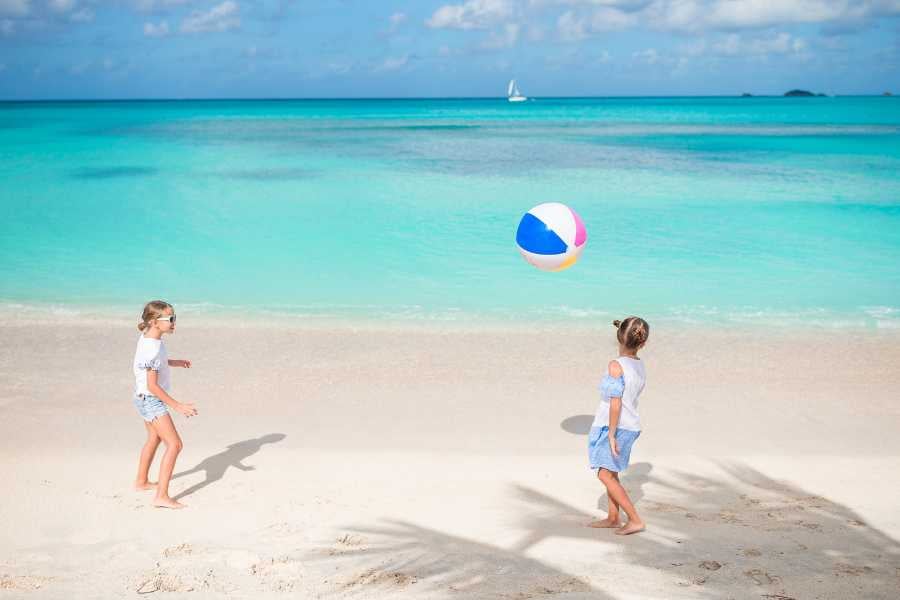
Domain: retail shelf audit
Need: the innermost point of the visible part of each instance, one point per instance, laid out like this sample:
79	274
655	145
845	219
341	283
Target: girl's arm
154	388
180	363
615	408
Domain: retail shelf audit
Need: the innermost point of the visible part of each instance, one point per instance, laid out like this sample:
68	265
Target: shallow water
717	210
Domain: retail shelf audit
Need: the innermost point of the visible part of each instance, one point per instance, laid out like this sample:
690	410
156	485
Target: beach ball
551	236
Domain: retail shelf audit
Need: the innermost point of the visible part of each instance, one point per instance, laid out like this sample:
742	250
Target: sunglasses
170	319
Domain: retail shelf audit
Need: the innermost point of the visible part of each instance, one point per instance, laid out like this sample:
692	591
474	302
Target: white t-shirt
635	376
150	354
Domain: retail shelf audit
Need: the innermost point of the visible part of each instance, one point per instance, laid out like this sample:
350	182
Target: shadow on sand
734	534
216	465
578	424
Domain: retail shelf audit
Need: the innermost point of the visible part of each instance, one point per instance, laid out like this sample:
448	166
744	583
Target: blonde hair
632	332
152	310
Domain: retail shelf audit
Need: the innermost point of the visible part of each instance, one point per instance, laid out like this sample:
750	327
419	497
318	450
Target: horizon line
394	98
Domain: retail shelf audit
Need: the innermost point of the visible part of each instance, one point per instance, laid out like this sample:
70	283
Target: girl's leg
612	513
611	501
165	429
620	497
147	453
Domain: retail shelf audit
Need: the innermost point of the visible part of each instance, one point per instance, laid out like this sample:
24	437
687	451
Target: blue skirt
599	453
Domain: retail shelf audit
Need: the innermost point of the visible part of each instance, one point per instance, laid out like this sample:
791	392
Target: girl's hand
613	447
185	364
187	410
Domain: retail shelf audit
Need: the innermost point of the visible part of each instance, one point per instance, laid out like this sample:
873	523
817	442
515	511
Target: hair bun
632	332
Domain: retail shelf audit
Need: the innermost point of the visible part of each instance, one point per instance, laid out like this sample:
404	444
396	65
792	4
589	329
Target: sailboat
513	94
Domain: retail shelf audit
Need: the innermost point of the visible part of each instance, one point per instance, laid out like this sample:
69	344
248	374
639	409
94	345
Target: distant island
801	93
746	95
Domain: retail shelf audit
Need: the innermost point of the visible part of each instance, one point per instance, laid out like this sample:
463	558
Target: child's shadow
216	465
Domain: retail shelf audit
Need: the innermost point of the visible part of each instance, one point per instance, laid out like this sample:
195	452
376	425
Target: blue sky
330	48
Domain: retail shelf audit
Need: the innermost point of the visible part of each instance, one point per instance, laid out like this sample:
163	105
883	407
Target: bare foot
148	485
606	523
630	527
167	503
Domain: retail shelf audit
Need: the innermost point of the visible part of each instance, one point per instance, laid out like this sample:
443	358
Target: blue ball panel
534	236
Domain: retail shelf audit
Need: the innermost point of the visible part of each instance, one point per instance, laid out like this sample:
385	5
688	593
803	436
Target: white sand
451	464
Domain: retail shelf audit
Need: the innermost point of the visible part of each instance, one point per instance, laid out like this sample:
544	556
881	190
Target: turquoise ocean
744	211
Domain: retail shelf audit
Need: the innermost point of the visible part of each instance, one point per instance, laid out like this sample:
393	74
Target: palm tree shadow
404	552
725	534
737	533
216	465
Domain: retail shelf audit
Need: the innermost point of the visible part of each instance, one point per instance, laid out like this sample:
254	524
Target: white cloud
339	67
612	19
691	16
223	17
61	6
106	64
397	19
160	29
576	20
629	5
14	8
501	65
570	27
735	44
649	56
833	43
507	38
535	33
696	47
765	13
751	47
393	63
156	5
85	15
473	14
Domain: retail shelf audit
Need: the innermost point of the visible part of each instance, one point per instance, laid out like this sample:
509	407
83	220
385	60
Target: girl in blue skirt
617	424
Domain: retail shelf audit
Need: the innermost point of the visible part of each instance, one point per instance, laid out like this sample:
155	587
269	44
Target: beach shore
383	462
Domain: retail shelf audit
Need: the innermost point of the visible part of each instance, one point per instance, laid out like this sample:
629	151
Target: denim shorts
150	407
599	453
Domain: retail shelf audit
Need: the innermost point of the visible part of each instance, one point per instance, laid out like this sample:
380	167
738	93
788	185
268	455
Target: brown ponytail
152	310
632	332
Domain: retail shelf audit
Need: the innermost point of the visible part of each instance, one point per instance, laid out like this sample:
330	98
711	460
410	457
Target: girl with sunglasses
152	399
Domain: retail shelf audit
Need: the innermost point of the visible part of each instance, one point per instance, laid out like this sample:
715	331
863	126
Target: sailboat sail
512	92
